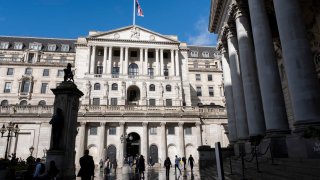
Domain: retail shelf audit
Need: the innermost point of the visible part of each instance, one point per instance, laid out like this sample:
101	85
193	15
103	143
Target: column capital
229	30
198	124
222	46
144	123
83	123
181	124
102	123
238	9
163	124
122	123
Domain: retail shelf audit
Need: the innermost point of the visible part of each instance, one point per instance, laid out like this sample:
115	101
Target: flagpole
134	12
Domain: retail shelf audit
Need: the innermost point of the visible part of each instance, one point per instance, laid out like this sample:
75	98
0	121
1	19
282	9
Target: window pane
209	77
96	101
199	93
198	77
188	130
25	86
99	69
171	130
152	87
114	101
60	73
168	102
28	71
112	130
114	87
45	72
152	102
93	130
211	93
96	86
7	87
153	130
168	88
150	71
10	71
133	69
44	88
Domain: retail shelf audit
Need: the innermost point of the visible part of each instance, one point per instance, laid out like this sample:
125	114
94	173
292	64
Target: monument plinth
64	129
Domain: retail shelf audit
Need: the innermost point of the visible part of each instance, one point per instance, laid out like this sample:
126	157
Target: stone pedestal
299	147
67	99
277	146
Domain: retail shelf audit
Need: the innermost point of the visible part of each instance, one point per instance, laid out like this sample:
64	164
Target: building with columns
270	56
144	93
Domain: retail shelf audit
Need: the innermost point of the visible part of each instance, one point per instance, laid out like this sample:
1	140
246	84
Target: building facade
270	55
144	93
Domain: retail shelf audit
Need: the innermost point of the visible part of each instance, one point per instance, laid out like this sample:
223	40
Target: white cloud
202	36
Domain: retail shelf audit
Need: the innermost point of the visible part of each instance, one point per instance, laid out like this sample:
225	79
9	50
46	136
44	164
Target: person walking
115	166
40	169
167	165
150	161
141	166
184	160
191	162
107	167
86	166
176	164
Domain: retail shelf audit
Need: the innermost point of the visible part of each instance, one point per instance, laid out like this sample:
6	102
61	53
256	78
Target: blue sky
73	18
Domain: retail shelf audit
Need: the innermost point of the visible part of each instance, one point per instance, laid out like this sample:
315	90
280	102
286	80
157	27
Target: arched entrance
112	153
154	153
133	144
133	95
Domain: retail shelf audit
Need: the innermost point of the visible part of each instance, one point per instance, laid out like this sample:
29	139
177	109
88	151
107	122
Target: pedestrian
184	160
141	166
107	167
86	166
101	163
167	165
137	163
176	164
150	161
115	166
40	169
52	172
191	162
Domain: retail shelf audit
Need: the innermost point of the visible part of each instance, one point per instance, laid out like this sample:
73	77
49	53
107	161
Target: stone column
141	62
102	138
93	59
163	142
172	68
145	66
268	73
82	142
161	62
177	62
222	46
144	140
109	65
298	63
181	139
198	134
157	70
121	61
126	61
89	58
237	88
249	74
121	144
105	65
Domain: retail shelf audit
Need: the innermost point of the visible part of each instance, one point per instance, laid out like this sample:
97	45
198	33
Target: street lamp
45	153
9	128
31	149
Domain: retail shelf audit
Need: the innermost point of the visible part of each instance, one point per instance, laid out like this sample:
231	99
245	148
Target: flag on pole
139	9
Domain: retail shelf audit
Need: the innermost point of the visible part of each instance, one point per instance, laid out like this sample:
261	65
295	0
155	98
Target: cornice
131	41
215	13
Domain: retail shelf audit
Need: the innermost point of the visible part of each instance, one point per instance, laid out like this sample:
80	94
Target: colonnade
252	82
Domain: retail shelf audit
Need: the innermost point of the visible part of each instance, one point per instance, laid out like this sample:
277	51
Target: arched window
25	86
23	103
152	87
168	87
114	87
42	103
96	86
133	69
4	103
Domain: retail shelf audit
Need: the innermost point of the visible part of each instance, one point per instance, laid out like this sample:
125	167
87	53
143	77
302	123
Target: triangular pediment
133	33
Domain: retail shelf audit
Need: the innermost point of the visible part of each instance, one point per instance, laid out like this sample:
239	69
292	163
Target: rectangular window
199	92
93	130
153	130
4	45
25	86
44	88
60	73
7	87
211	93
96	101
114	101
168	102
112	130
150	55
115	70
133	54
116	53
10	71
171	130
45	72
65	47
31	57
209	77
150	72
17	45
28	71
152	102
198	77
52	47
188	131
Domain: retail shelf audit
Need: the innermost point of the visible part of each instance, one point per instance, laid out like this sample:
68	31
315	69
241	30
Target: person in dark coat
191	162
184	160
167	165
86	166
141	166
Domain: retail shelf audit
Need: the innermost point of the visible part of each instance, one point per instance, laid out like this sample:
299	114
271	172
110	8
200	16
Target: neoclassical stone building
144	93
271	66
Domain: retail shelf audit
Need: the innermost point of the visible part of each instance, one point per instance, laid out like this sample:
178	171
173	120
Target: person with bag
167	165
86	171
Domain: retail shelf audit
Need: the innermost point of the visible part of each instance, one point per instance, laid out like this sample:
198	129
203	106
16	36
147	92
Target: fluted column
144	140
177	62
102	138
237	88
89	58
109	65
255	118
121	144
199	134
298	63
82	141
161	62
269	78
172	68
93	59
222	46
141	62
145	66
163	143
121	61
157	70
181	139
105	65
126	61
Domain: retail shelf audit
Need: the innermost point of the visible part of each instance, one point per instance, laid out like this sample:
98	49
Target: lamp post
11	127
31	149
44	153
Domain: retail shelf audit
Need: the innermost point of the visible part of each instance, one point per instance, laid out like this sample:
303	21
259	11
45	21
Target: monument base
59	157
277	146
299	147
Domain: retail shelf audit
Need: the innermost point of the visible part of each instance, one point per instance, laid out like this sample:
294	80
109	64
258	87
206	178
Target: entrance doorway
112	153
133	144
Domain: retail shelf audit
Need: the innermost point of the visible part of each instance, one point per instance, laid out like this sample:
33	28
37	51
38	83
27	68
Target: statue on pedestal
57	125
68	76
